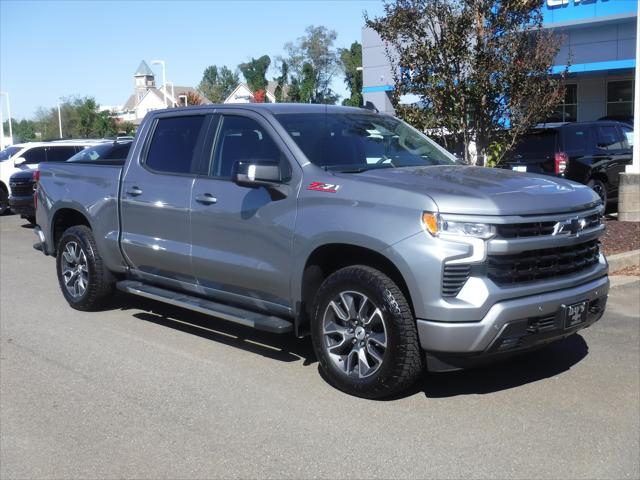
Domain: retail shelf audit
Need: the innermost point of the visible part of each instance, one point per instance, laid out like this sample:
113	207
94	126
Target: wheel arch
63	219
329	258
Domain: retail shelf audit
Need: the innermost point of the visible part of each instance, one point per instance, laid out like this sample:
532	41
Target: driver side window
242	139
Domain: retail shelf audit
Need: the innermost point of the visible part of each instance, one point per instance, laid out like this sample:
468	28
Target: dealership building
599	38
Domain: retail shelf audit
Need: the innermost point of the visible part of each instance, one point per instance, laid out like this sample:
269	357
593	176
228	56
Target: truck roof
274	108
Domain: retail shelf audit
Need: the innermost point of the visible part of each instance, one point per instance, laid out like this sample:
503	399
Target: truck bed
91	189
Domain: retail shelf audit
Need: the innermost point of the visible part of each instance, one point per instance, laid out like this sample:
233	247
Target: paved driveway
146	391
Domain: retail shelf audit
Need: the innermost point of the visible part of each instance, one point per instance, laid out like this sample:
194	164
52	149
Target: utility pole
59	121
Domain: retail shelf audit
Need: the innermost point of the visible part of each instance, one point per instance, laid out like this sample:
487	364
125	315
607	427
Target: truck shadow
520	370
285	348
547	362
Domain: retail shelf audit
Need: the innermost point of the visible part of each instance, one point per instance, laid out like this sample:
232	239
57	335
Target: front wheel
4	200
364	334
84	280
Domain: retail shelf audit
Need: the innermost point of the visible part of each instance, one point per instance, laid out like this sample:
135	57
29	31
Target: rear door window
576	140
173	145
35	155
608	138
60	153
537	144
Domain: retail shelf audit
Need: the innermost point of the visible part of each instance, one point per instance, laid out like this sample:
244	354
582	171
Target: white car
23	156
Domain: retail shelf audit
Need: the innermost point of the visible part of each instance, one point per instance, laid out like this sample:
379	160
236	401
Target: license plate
575	314
519	168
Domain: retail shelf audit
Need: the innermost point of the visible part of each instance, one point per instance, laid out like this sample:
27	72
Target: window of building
567	111
620	98
172	148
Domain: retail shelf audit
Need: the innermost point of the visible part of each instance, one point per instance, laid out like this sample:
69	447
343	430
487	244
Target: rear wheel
364	334
84	280
600	188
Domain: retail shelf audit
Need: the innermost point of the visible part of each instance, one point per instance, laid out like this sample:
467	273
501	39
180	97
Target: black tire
98	280
401	361
4	200
31	219
600	188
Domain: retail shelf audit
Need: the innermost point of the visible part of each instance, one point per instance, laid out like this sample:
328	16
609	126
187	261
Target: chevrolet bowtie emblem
570	226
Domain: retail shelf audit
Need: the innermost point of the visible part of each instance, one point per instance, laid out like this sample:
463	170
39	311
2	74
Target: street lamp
164	79
10	123
173	94
59	121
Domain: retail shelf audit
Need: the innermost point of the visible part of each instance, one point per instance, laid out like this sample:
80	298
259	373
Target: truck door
156	197
612	154
241	236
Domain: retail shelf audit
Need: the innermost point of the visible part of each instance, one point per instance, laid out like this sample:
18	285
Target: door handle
134	191
206	198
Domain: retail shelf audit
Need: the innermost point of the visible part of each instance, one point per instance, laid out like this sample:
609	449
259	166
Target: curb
623	260
622	280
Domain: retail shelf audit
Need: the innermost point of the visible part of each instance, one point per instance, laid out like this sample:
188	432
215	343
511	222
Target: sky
55	49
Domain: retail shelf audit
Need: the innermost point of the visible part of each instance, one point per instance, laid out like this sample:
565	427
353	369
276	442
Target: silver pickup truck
337	222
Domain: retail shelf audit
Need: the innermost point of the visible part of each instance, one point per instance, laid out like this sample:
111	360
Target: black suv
592	153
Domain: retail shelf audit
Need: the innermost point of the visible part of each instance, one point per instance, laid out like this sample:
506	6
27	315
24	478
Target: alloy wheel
354	334
75	272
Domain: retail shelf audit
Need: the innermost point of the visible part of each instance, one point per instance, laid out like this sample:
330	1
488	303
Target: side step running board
247	318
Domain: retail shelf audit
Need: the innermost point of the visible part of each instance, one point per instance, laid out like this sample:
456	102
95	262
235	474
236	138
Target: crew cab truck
338	222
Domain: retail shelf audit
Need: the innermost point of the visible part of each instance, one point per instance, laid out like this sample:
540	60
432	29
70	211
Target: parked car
23	183
25	156
592	153
338	222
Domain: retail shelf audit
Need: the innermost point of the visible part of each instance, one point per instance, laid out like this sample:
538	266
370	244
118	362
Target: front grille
454	278
542	264
536	229
22	189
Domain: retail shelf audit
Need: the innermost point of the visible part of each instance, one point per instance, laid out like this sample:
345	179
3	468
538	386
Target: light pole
164	79
173	94
59	121
10	122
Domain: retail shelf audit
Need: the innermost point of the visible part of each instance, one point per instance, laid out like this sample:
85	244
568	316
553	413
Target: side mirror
257	174
19	161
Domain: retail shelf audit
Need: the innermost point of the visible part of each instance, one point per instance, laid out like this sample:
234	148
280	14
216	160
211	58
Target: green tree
351	62
23	130
481	68
255	71
313	61
281	81
218	83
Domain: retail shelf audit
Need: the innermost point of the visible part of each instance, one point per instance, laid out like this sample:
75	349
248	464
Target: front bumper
22	205
514	325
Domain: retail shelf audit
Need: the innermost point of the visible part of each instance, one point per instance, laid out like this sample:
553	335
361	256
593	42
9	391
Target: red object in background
258	97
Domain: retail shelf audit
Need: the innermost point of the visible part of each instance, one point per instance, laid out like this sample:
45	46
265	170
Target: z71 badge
323	187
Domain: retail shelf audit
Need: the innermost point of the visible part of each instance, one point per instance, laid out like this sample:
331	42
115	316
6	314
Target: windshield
103	151
537	143
355	142
9	152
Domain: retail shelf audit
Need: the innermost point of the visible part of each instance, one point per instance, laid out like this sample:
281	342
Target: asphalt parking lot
146	391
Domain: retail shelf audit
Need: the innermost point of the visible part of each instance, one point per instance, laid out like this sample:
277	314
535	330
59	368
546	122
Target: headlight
436	226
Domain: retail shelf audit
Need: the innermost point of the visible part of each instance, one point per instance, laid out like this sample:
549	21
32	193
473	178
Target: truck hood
465	189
